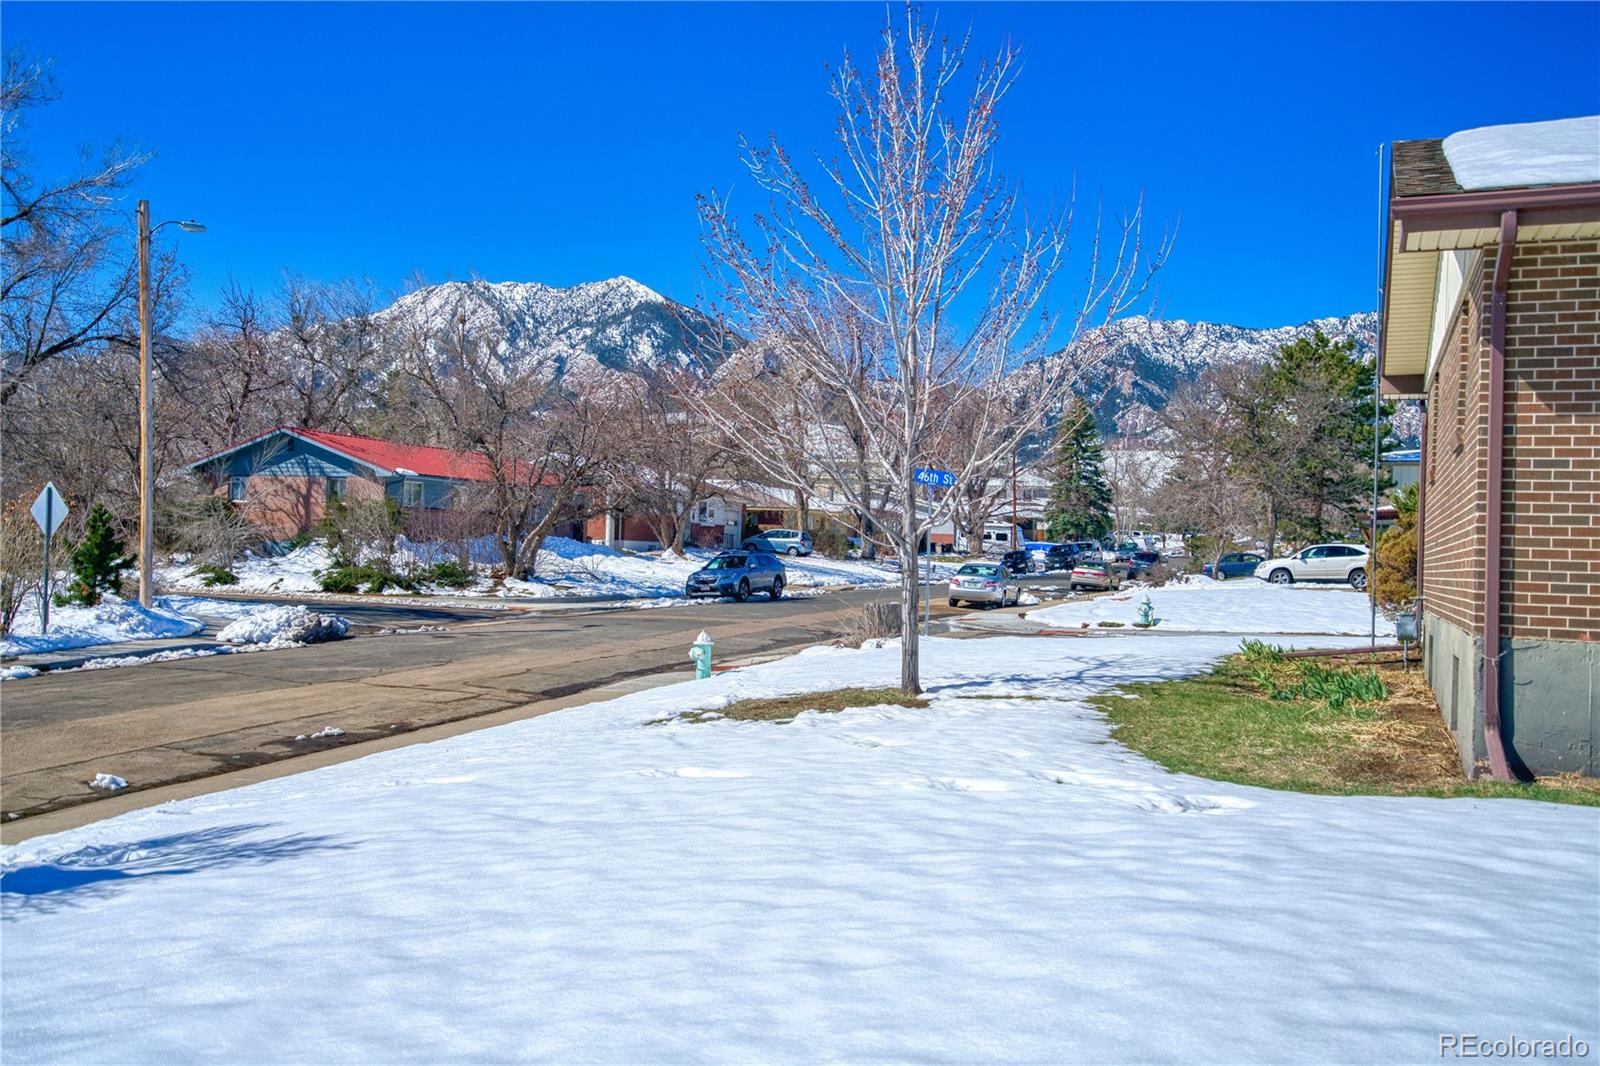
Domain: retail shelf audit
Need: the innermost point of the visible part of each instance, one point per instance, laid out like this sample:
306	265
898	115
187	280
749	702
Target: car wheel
1281	576
794	551
1358	580
777	588
743	592
954	602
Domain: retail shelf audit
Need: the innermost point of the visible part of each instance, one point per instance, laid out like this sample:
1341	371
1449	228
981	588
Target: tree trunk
910	588
1272	528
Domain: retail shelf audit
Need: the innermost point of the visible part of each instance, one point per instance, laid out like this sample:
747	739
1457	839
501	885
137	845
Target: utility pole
147	488
1015	532
147	479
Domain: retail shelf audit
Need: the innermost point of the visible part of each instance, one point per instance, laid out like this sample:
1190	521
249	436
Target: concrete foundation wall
1453	659
1549	698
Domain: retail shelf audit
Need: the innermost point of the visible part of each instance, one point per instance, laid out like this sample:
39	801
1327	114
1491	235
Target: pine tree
1396	583
1080	500
97	561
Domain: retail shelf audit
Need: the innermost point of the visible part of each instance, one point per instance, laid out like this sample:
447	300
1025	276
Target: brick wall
1453	554
281	507
1550	555
1551	550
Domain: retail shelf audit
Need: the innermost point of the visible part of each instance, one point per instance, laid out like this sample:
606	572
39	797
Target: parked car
1017	562
1094	574
1060	556
1234	564
738	574
780	542
1320	562
1143	562
986	583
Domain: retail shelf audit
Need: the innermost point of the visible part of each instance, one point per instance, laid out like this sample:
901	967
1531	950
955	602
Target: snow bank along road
982	880
177	721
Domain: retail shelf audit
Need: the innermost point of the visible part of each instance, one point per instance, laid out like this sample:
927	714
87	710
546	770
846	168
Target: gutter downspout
1492	738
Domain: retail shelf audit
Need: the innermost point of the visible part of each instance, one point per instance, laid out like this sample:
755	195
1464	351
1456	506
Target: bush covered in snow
284	625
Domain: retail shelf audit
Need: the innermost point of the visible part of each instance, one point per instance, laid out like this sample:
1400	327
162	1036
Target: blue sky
563	143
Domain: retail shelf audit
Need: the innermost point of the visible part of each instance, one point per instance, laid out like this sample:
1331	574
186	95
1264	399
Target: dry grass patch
1226	725
788	708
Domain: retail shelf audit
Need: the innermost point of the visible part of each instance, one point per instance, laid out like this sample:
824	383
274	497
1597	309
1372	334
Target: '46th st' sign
933	478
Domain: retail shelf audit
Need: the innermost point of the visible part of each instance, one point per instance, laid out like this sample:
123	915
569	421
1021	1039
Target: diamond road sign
49	510
928	476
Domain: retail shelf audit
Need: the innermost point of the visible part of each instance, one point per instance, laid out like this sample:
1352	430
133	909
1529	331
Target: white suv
1320	562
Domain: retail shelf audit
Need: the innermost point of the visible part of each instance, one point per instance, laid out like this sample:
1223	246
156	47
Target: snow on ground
113	621
981	880
1242	605
565	567
286	625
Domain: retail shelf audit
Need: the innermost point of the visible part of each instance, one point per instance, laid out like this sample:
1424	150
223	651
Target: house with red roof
284	479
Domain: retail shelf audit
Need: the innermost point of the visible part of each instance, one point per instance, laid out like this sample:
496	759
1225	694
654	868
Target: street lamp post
147	486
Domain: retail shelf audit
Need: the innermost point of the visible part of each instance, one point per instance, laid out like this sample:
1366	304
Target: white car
1320	562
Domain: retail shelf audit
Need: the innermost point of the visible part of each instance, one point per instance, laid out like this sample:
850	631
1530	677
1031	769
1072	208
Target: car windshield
1092	566
979	570
726	562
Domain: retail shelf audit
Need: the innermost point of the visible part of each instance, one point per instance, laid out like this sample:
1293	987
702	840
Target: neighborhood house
284	480
1492	318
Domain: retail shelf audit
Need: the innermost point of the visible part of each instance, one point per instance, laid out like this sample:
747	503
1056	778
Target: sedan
987	583
738	574
1234	564
1094	574
1143	562
1320	562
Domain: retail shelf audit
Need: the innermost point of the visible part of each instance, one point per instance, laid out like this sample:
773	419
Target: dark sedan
1142	562
1234	564
1060	557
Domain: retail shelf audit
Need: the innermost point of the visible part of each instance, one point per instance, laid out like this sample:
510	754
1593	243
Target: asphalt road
162	723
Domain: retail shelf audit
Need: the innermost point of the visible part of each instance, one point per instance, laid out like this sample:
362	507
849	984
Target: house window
411	494
337	488
238	489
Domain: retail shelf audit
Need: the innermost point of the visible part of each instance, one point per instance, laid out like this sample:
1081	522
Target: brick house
283	480
1491	317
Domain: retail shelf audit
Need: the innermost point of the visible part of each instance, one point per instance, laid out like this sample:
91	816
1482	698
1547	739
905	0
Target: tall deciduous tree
907	280
1079	507
66	248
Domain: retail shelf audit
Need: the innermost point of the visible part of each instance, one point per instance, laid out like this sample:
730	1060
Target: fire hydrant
1147	613
700	655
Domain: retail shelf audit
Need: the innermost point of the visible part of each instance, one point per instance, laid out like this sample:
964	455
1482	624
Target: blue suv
738	574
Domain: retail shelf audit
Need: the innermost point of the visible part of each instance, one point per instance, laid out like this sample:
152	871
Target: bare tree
541	449
1206	491
672	453
910	279
65	249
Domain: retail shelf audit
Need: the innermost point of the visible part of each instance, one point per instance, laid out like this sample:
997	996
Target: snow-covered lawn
111	622
565	568
1241	605
980	880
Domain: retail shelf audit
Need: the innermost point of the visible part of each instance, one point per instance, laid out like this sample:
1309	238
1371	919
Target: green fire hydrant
1147	613
700	655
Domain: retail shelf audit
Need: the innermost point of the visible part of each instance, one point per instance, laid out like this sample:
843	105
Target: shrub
1396	561
212	529
1202	550
870	621
364	577
360	531
97	561
21	561
212	576
830	540
450	574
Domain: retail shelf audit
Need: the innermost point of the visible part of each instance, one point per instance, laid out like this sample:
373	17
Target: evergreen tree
1396	584
1080	500
97	561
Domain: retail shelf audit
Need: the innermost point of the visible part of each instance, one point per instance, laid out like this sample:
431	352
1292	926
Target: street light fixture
147	488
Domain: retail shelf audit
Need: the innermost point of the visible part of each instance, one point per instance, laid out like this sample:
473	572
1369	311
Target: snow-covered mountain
617	324
1146	359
